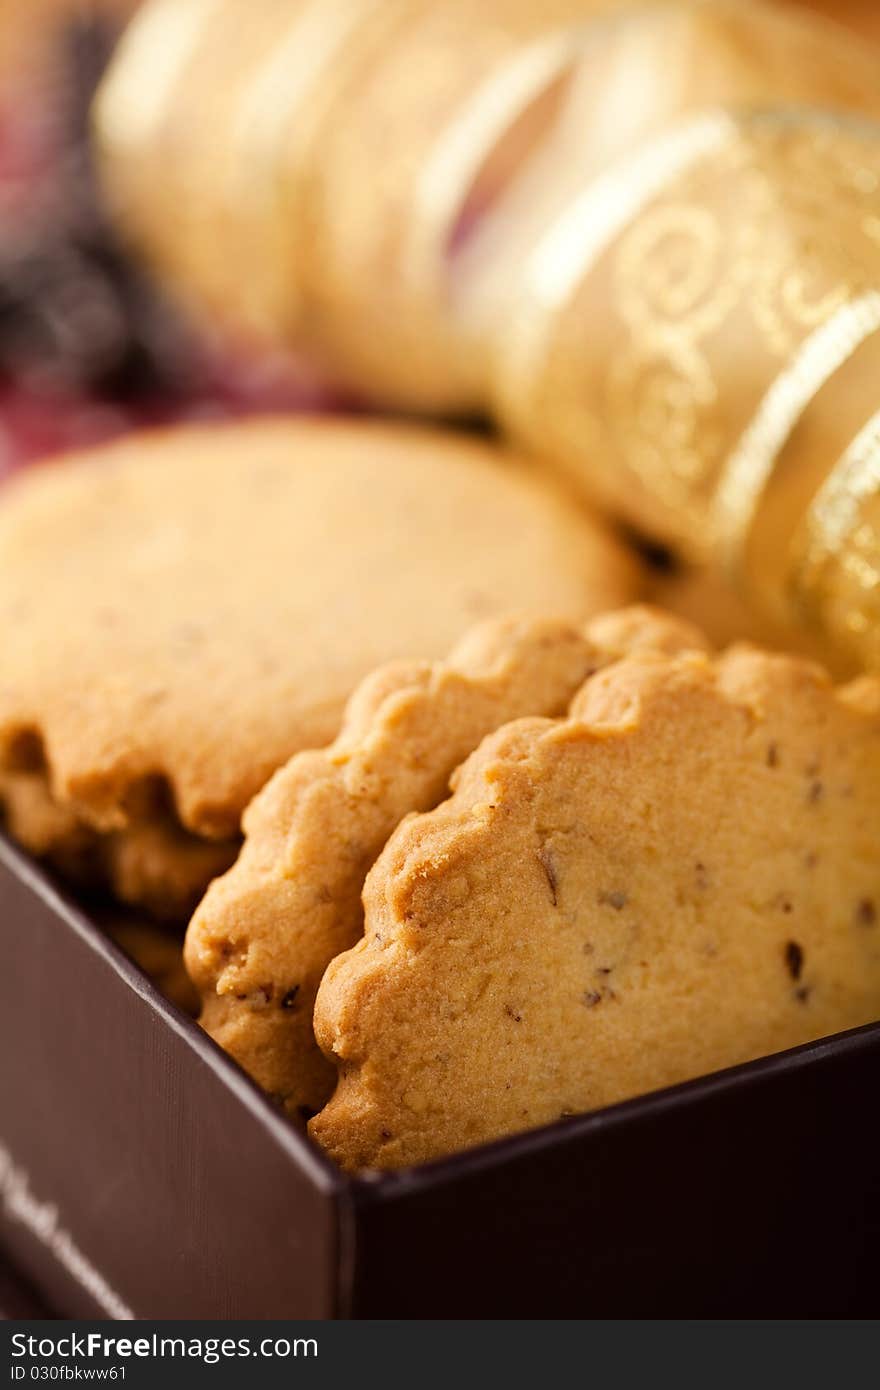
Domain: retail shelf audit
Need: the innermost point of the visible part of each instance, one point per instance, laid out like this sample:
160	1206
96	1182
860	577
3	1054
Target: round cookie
45	829
681	876
153	864
260	941
185	610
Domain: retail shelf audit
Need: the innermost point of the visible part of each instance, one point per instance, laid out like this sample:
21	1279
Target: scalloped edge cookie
681	876
153	864
259	943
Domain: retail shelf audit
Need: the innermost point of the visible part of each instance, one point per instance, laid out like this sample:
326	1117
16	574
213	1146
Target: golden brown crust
152	864
163	869
681	876
194	606
261	940
45	829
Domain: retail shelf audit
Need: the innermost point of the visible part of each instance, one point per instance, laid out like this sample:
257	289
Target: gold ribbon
271	141
151	60
835	534
751	463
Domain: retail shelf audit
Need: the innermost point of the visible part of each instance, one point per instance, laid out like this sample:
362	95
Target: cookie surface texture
262	938
189	608
681	876
151	864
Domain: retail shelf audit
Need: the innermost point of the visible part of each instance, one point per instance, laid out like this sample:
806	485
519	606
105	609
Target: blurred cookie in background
861	15
704	598
89	347
184	610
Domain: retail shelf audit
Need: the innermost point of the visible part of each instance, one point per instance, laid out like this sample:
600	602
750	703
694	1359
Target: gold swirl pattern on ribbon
549	391
735	252
749	466
836	550
848	602
590	226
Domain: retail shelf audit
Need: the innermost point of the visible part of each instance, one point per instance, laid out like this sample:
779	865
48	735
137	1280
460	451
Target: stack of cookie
641	236
655	861
679	874
260	942
183	612
365	723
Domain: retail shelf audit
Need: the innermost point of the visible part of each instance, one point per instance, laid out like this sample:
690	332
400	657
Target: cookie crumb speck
615	899
592	997
866	913
289	999
794	959
773	755
548	864
815	793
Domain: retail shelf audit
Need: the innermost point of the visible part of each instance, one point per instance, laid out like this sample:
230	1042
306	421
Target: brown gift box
142	1174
